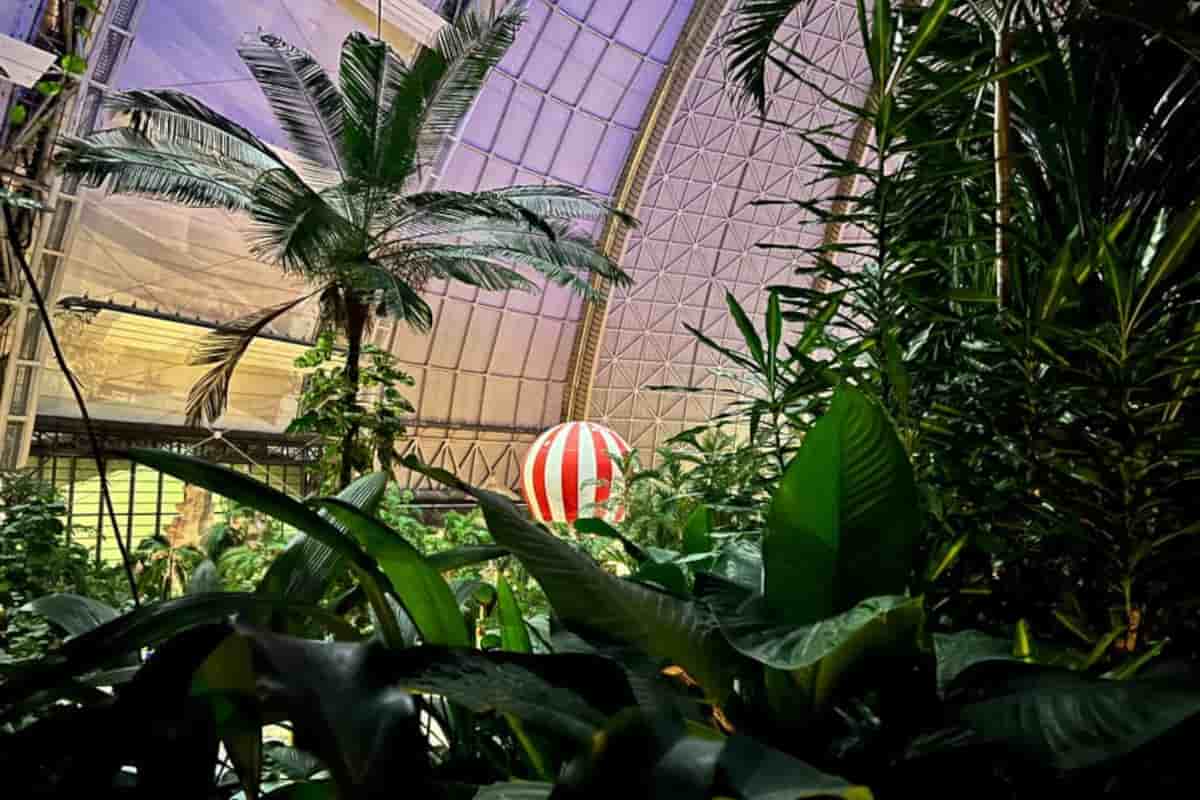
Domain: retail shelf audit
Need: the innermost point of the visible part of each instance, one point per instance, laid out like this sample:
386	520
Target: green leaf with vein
274	503
466	556
820	655
303	571
843	523
422	591
1071	721
584	595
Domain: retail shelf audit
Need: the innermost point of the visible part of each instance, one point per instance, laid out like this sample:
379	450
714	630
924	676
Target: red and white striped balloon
569	471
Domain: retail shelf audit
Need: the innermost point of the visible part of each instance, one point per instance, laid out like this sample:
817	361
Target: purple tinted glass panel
518	123
641	24
606	16
579	8
669	33
638	95
583	134
577	68
192	47
489	111
609	82
547	135
557	36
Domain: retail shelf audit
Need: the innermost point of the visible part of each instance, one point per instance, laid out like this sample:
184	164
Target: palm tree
351	219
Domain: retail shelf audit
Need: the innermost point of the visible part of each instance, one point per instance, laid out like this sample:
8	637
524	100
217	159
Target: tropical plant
1020	292
820	661
351	217
322	412
37	558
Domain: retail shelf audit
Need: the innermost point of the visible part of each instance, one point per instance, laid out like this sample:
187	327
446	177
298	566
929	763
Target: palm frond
567	260
554	201
371	76
11	199
165	114
126	162
486	267
749	41
303	98
441	85
224	348
295	225
427	214
398	298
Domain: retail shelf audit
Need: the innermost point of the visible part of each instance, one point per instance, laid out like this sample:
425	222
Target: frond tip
224	348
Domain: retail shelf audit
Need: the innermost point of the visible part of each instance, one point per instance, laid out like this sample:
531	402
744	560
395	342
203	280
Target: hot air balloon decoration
569	471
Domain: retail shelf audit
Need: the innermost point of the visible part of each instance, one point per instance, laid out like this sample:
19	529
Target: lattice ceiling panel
564	107
700	230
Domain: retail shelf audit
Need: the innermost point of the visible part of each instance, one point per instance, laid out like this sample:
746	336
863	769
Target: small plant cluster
375	413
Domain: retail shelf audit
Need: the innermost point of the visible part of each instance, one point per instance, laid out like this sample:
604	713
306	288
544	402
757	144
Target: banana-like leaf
819	656
129	633
302	572
843	523
274	503
74	613
584	595
958	652
420	588
598	527
1071	721
467	556
513	635
657	755
569	695
741	563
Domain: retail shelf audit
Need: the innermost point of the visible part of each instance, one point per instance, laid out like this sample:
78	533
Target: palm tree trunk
357	314
1003	166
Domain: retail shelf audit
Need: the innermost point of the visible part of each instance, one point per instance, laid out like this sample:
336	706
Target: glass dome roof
621	97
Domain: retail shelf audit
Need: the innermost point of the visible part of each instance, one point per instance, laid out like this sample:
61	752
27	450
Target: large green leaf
640	755
304	570
958	652
129	633
422	591
569	695
741	562
843	523
598	527
584	595
466	556
77	615
72	612
1071	721
513	635
820	655
277	505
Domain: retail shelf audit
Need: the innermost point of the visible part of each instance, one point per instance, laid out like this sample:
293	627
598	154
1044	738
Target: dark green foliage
37	558
376	427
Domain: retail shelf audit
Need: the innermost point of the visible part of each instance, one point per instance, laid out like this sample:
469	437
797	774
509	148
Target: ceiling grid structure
564	106
700	228
581	99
